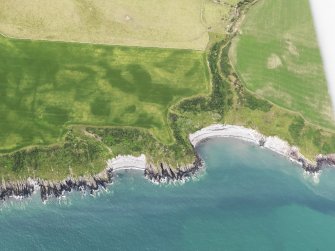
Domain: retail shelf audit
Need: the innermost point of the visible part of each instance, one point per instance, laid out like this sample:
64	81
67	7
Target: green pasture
277	56
45	86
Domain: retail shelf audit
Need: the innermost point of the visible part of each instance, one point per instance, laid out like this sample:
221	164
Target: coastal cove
241	184
163	173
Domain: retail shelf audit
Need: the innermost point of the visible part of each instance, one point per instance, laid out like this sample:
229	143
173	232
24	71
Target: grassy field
277	57
45	86
149	23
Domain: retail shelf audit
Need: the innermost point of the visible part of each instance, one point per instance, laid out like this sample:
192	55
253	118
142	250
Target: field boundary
94	43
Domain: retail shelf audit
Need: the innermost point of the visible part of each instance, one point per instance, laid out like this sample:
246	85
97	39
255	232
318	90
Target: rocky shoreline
272	143
166	174
161	173
89	184
24	189
83	184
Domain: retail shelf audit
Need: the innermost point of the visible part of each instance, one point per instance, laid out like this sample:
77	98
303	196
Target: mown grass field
277	57
150	23
45	86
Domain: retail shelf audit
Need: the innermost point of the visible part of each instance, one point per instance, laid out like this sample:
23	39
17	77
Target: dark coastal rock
322	161
325	160
21	189
262	141
25	189
89	184
165	172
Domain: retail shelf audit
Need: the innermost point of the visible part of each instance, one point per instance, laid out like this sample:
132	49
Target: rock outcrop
19	189
23	189
84	184
165	173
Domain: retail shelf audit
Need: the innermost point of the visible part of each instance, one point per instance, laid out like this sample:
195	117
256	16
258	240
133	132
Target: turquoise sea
247	199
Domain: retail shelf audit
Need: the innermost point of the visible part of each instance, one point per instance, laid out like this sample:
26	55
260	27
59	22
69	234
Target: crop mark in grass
274	62
56	115
292	48
147	120
193	70
92	16
49	85
148	91
115	79
130	109
101	106
277	94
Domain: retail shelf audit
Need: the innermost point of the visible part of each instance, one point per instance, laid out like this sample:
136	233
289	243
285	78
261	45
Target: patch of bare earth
274	62
292	48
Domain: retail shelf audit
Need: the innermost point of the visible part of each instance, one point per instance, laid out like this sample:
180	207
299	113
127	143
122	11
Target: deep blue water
247	199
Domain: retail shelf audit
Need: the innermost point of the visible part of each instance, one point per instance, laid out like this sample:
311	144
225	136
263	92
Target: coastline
163	173
272	143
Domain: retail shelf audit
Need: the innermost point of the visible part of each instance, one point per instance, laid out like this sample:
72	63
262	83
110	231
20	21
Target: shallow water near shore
247	199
